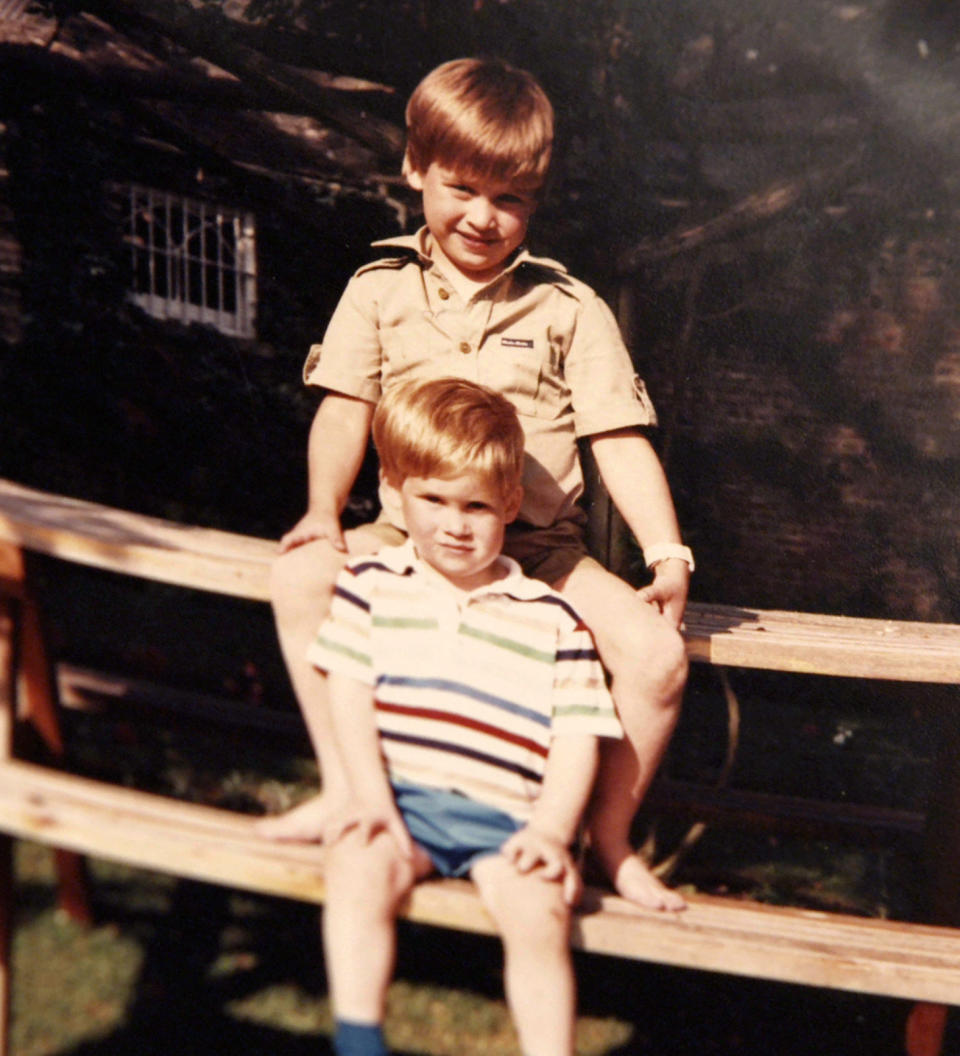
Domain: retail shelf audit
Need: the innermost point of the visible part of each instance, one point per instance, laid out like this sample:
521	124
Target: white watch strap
658	552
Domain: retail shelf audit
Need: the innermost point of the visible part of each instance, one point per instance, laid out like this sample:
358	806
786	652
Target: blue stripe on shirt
464	690
352	599
577	654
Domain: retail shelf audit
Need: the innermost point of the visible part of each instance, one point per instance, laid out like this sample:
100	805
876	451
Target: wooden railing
75	814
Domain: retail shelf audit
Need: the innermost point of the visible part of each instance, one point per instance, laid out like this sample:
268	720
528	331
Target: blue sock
358	1039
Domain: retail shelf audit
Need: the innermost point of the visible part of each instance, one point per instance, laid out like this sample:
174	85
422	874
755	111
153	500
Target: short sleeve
606	391
349	360
343	643
581	701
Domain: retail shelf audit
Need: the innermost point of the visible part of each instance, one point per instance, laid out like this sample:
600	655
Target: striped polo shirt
469	688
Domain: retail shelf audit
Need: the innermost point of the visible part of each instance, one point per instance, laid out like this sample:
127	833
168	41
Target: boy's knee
528	910
670	663
653	658
370	876
542	919
301	577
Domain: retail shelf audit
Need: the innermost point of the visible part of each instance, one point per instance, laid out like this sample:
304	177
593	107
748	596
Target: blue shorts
454	831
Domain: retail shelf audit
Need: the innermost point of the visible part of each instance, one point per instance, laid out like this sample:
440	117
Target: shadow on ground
181	1003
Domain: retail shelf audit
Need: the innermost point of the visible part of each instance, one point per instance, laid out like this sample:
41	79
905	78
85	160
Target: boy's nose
481	213
455	523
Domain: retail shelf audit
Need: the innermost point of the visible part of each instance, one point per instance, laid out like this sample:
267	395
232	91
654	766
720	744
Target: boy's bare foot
634	881
304	823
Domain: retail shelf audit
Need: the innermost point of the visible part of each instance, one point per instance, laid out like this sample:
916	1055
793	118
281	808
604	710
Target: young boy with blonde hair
466	700
463	298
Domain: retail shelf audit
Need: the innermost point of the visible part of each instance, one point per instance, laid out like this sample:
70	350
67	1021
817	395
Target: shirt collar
419	244
403	560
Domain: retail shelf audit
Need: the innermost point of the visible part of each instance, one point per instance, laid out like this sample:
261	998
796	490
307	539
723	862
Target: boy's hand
367	821
532	849
668	591
313	526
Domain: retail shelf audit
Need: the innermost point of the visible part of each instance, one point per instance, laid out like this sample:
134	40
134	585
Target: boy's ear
512	507
410	174
387	483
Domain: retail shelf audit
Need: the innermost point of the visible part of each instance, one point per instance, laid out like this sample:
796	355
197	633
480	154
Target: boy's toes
635	882
302	824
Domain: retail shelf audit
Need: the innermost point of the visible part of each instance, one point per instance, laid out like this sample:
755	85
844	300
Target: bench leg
30	696
39	708
926	1023
6	938
7	700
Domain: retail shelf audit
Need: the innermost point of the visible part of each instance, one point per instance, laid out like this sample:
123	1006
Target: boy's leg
301	587
366	882
647	662
534	923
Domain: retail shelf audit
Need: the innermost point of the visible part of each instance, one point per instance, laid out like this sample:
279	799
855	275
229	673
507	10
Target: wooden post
32	698
7	701
926	1026
926	1023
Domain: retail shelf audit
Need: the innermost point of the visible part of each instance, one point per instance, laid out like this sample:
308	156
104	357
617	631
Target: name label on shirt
517	342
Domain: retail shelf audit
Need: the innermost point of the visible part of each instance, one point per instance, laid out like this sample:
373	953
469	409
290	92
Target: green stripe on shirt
407	623
344	650
508	643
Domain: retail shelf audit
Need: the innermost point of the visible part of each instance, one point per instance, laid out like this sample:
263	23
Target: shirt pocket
418	348
528	372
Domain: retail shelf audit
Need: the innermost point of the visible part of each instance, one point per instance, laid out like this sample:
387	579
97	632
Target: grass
183	967
179	968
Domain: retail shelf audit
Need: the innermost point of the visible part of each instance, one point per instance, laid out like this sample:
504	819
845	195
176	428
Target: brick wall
822	471
10	259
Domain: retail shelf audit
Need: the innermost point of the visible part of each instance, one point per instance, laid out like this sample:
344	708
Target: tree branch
209	34
758	208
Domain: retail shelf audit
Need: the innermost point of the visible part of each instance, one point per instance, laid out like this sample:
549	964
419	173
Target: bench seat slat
237	565
134	544
887	958
716	934
809	643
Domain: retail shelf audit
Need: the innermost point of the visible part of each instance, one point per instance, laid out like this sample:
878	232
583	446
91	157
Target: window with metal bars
191	260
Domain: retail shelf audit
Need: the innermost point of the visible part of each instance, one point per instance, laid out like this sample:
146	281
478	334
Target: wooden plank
715	934
810	643
136	545
237	565
768	811
84	688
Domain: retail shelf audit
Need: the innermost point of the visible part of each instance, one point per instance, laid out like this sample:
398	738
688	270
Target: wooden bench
917	962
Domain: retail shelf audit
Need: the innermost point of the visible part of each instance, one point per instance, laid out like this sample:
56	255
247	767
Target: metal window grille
191	260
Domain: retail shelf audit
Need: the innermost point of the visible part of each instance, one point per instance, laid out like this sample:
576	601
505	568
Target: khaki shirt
534	333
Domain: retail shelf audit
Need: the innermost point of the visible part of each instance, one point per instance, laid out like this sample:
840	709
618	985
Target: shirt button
443	294
464	347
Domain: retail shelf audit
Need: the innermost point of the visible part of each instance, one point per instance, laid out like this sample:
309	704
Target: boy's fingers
402	835
521	860
309	531
572	887
649	595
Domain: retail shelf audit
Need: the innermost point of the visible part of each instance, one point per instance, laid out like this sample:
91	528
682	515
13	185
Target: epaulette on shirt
402	258
543	269
556	274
